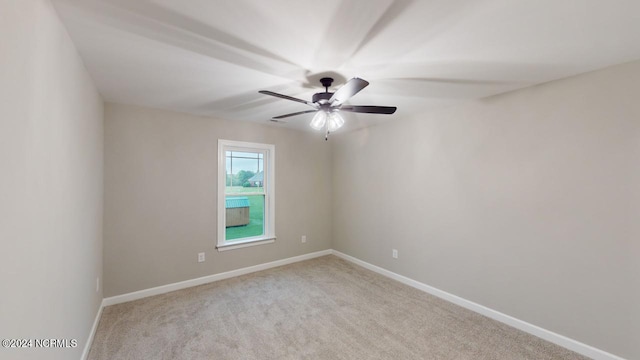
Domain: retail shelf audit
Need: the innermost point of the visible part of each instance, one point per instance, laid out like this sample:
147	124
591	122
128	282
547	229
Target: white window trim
269	235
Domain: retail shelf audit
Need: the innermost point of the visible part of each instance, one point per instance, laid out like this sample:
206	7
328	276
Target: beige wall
160	196
50	183
528	203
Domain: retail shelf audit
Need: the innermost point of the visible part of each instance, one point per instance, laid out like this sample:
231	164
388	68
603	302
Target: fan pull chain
326	135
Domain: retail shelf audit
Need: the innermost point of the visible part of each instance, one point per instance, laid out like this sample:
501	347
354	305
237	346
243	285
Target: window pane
244	216
244	172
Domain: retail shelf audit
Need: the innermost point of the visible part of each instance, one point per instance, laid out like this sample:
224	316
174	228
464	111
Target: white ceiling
209	57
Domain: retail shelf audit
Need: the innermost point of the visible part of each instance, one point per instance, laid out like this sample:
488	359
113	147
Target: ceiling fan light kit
332	120
327	105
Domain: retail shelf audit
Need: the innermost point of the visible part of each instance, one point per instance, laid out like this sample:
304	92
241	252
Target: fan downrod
322	98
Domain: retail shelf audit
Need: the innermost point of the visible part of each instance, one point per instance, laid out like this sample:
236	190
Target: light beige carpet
325	308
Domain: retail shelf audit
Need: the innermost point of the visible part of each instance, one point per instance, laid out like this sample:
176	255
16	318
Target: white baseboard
92	333
550	336
208	279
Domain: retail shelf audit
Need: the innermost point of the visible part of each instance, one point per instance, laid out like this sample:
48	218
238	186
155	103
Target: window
245	194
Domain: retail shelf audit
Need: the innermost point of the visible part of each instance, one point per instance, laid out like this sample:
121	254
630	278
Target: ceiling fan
327	105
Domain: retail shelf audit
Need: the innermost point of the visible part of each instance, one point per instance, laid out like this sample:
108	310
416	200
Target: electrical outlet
200	257
394	253
98	284
304	238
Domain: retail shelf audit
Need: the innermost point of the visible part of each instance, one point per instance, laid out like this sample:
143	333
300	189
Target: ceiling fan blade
266	92
293	114
349	89
370	109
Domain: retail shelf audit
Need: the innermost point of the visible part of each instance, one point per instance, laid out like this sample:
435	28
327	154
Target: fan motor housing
317	97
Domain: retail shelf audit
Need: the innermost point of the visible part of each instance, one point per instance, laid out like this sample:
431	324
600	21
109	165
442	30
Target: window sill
246	243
